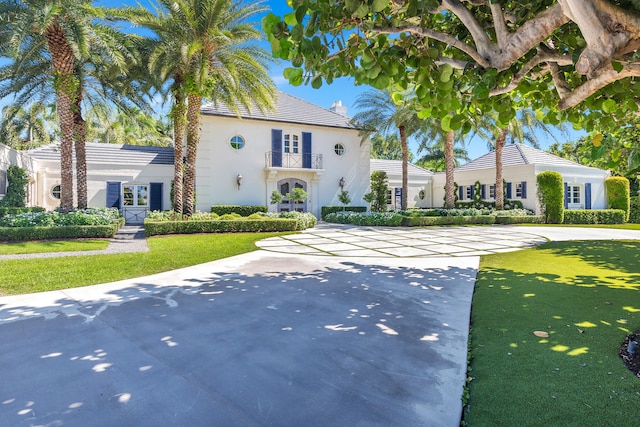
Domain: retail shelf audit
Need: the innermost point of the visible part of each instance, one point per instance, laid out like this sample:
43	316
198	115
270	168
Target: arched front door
286	186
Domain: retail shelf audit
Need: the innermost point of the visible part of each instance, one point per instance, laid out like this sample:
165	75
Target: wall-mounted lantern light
239	180
341	183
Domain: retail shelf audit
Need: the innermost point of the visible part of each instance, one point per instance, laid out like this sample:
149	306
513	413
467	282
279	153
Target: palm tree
43	38
380	114
435	160
24	128
387	147
206	48
523	128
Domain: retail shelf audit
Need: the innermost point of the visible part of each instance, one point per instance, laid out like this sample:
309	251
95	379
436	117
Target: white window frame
135	195
291	143
339	149
467	192
492	192
234	140
53	191
518	190
575	198
389	196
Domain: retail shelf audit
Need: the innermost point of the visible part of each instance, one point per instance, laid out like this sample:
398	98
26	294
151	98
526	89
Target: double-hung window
492	191
574	194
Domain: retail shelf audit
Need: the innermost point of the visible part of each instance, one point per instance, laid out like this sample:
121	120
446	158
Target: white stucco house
584	186
132	178
242	160
420	184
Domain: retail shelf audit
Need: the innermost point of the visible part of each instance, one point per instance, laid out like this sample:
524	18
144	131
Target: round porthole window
339	149
55	192
421	194
237	142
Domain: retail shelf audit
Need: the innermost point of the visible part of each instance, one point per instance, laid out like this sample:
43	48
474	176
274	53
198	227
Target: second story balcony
278	159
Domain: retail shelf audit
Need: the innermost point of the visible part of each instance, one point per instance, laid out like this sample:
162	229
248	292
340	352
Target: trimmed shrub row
586	216
468	220
390	219
331	209
6	210
238	209
634	212
20	234
153	228
618	194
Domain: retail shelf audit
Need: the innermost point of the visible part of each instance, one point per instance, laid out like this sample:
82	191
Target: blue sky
343	89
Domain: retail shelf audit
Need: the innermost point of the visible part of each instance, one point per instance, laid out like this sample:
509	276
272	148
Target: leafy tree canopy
568	60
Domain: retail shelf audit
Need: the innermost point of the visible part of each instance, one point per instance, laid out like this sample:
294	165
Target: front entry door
286	186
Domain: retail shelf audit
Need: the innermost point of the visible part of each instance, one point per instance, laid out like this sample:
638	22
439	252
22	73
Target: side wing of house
242	161
583	186
11	157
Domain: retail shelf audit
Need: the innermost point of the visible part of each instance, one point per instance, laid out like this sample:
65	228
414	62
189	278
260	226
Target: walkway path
129	238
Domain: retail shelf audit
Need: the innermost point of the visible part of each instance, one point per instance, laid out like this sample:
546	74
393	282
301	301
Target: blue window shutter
460	193
524	189
508	190
306	150
483	191
276	148
472	189
155	196
566	195
113	194
587	195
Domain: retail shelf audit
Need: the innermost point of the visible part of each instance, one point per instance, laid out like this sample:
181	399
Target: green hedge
551	196
634	210
238	209
618	194
331	209
467	220
5	210
152	228
19	234
589	216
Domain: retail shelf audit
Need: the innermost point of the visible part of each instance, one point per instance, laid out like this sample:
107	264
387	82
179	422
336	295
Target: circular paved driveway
355	241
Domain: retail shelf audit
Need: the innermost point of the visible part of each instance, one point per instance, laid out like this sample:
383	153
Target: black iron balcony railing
277	159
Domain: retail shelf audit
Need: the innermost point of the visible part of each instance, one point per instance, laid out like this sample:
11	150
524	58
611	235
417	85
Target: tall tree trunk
80	136
179	124
405	172
194	102
65	87
499	180
450	164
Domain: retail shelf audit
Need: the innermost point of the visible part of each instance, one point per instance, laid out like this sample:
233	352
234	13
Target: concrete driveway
261	339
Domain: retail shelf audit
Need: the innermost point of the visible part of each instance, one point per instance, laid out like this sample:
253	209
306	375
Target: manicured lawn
617	226
586	295
53	246
166	253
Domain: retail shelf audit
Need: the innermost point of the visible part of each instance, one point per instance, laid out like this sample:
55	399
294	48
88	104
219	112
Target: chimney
338	108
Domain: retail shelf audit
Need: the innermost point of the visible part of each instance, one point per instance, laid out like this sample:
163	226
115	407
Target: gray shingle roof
517	155
112	153
289	109
394	167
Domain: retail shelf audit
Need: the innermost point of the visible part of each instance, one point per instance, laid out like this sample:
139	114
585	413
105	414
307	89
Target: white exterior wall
218	164
415	185
12	157
513	175
580	176
48	176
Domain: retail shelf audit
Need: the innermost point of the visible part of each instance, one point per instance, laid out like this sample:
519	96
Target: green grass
166	253
53	246
617	226
586	295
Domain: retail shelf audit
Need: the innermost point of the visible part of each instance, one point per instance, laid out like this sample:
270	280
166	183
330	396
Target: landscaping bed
427	217
38	225
158	223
